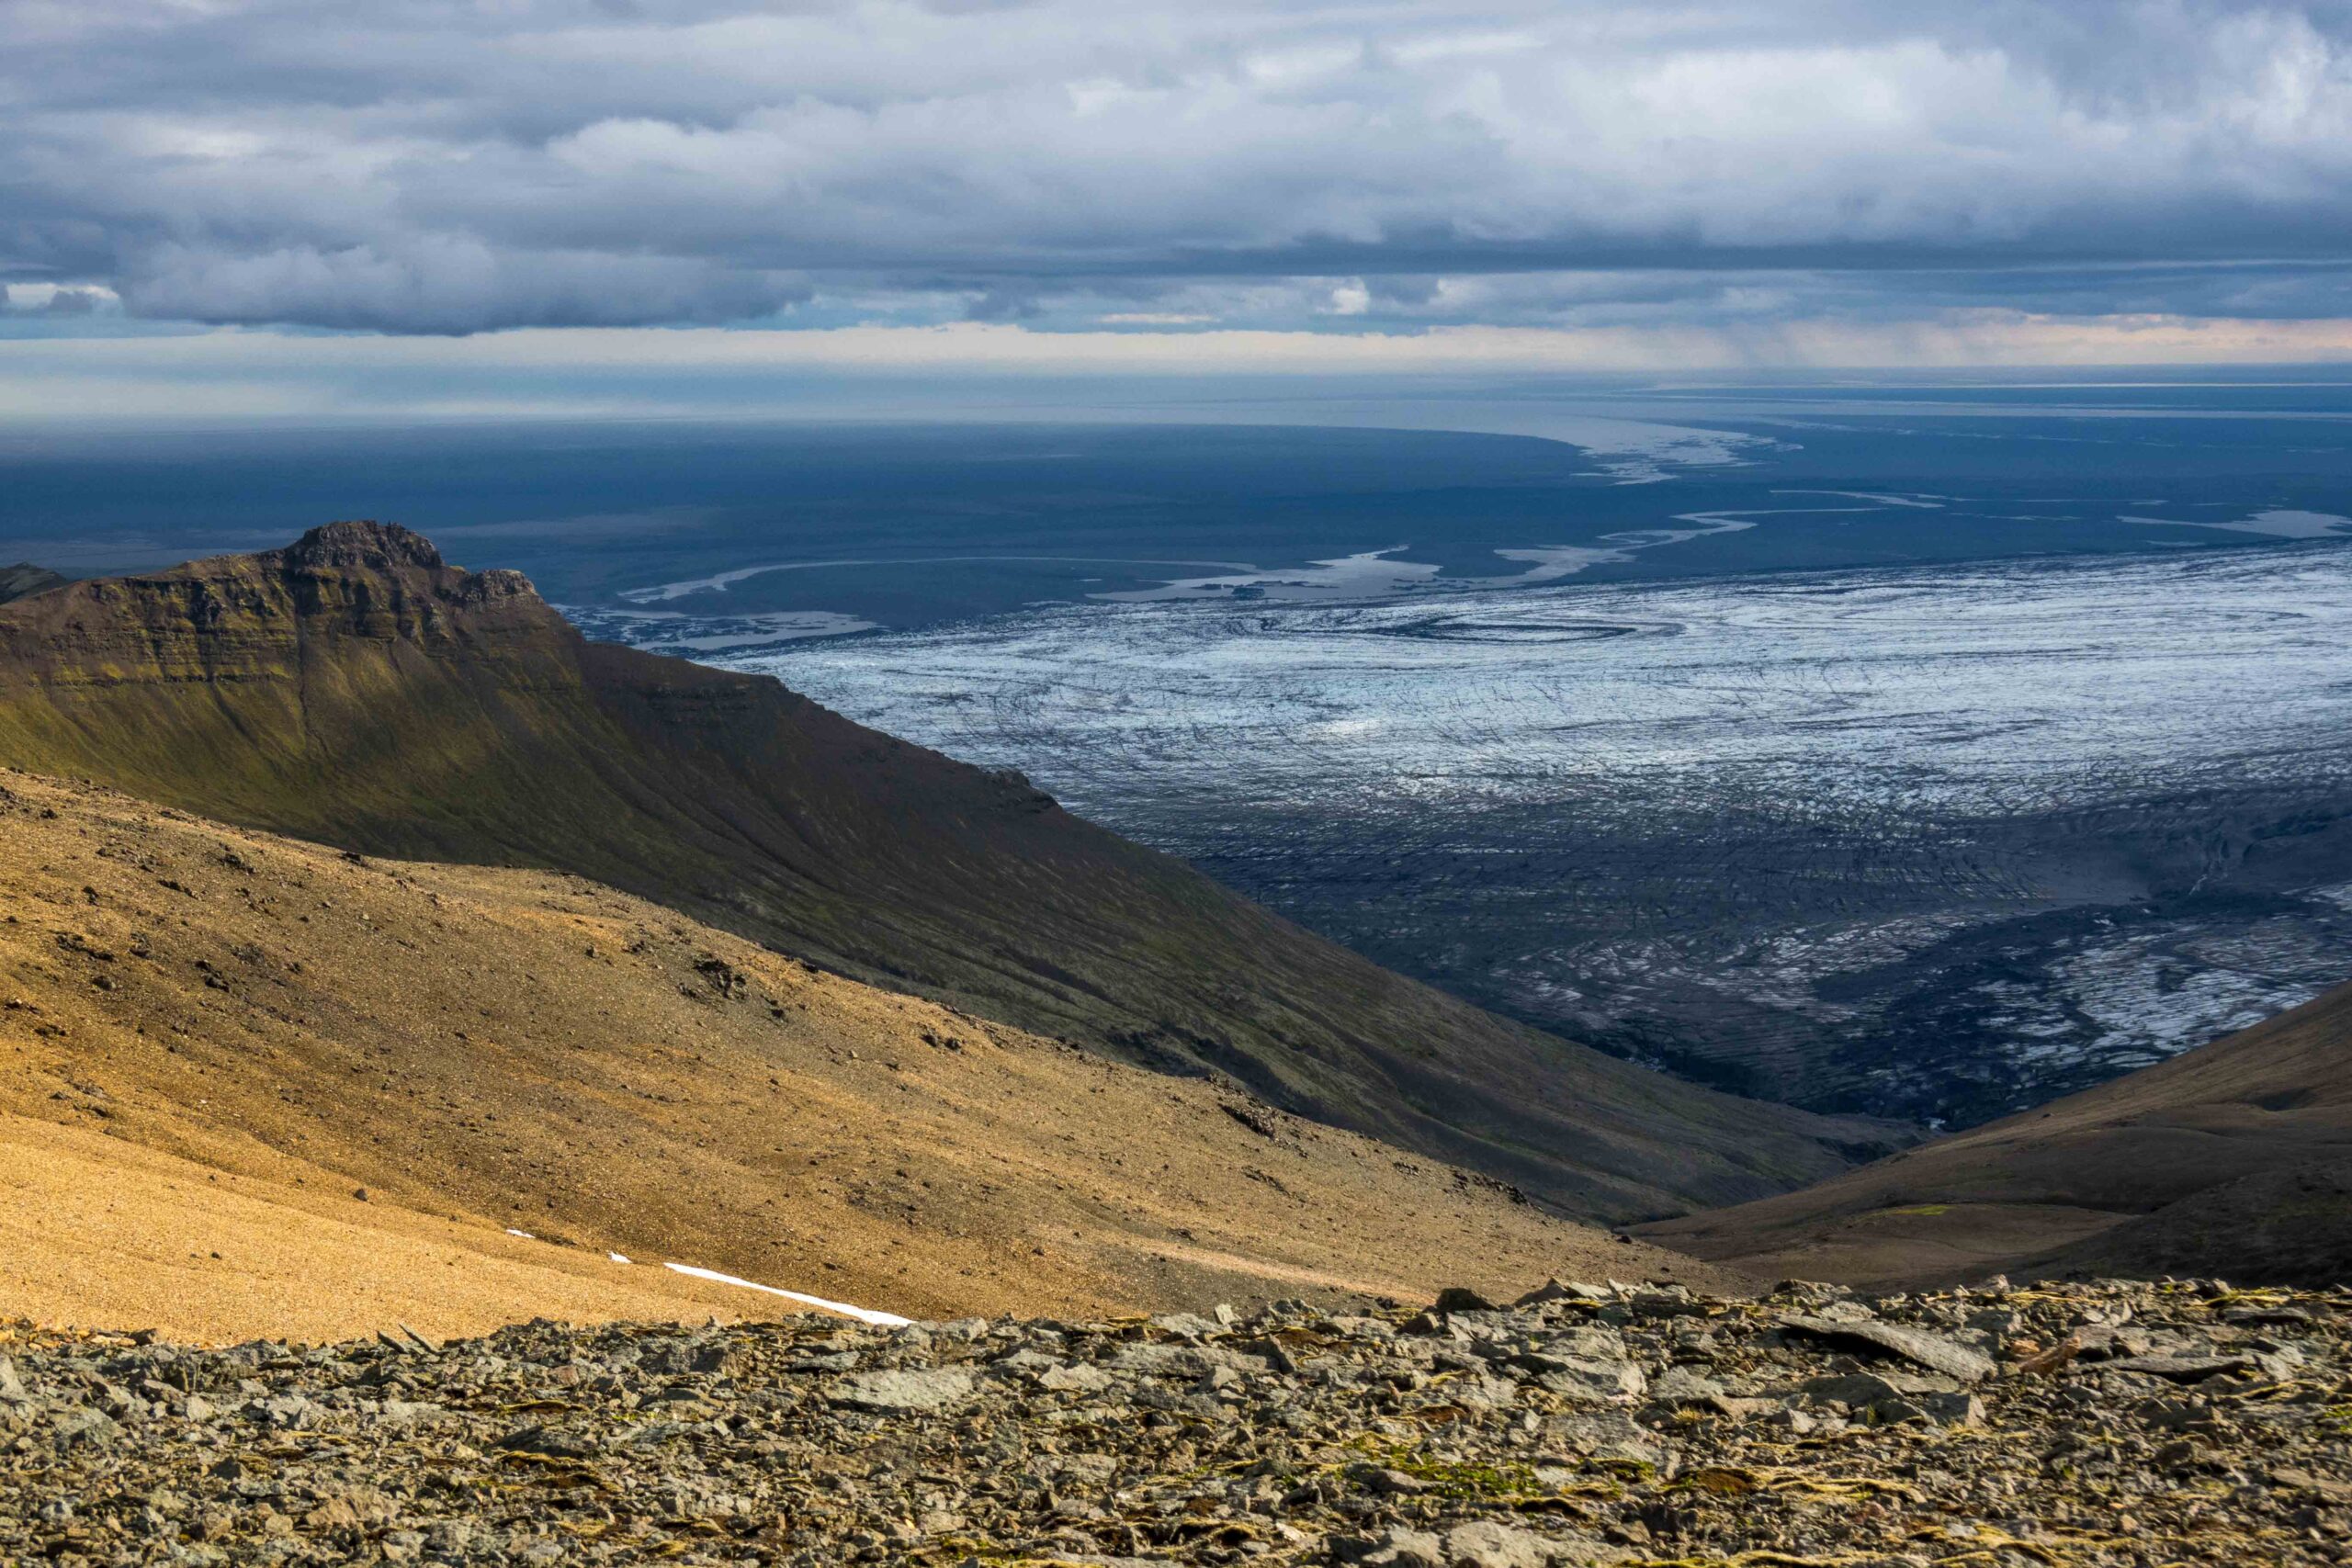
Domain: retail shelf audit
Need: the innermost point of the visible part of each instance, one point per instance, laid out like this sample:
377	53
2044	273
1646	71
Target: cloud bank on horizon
1335	166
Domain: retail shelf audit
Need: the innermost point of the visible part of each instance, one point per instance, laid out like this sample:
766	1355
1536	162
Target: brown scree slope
354	689
212	1039
2234	1159
97	1232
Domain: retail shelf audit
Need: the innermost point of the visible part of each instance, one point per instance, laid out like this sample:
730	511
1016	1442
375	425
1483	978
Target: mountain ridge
24	580
2235	1158
356	689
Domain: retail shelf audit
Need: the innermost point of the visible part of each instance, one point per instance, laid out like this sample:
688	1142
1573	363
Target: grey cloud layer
449	167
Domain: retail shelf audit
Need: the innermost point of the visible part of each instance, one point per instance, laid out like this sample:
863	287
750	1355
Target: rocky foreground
2066	1423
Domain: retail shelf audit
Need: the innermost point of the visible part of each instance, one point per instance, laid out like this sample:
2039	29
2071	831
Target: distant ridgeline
354	689
24	580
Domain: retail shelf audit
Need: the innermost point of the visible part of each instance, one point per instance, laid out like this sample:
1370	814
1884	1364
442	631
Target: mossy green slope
354	689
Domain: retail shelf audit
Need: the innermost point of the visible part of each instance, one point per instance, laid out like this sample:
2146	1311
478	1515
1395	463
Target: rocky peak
407	559
364	545
344	592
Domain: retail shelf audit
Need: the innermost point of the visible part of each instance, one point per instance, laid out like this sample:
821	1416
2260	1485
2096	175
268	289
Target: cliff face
356	689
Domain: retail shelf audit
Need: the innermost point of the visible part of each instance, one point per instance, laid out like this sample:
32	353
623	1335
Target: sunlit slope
530	1050
98	1233
354	689
2233	1159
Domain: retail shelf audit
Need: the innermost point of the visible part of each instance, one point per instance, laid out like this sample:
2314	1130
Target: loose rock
1590	1427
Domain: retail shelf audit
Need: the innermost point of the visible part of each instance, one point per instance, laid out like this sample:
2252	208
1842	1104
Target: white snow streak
862	1314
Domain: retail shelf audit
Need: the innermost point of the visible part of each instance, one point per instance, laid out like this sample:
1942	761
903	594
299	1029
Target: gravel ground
2125	1423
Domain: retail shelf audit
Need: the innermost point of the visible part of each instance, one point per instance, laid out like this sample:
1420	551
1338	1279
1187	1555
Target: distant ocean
902	525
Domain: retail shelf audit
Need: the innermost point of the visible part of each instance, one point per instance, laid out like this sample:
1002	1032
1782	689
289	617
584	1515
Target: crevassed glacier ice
1936	841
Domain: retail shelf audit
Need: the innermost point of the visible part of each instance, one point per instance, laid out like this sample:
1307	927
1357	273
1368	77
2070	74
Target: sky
286	207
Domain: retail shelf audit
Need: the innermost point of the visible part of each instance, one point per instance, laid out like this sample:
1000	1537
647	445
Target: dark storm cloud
445	166
441	283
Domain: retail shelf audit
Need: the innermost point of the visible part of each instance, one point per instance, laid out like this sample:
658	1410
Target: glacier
1934	841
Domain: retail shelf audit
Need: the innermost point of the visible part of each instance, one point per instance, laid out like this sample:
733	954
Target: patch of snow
862	1314
1372	575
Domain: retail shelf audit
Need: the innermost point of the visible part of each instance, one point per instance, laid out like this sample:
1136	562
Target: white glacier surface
1893	838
